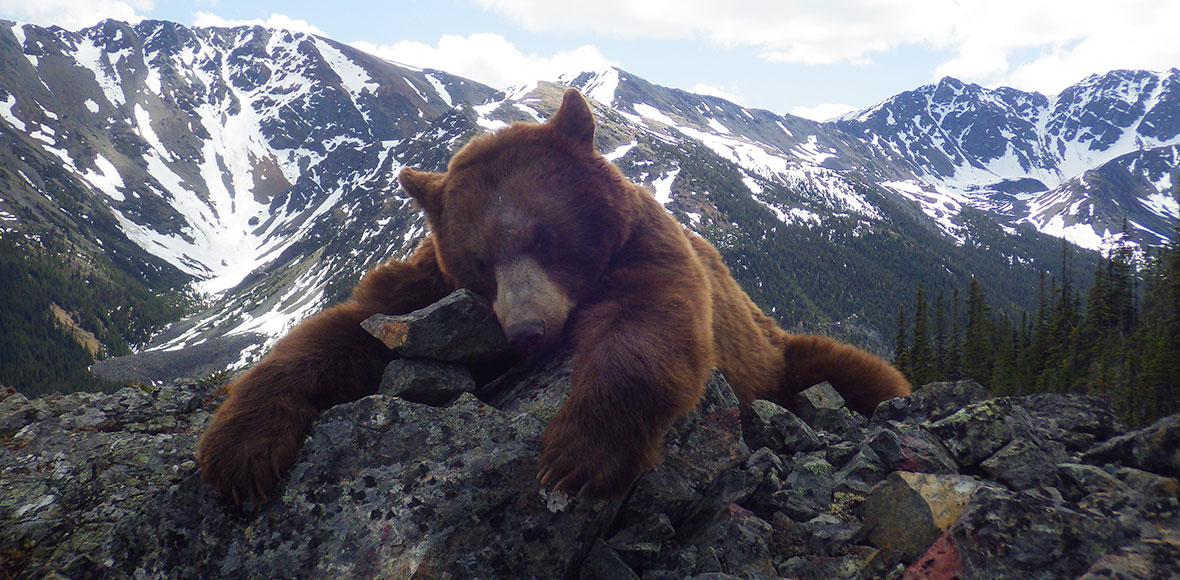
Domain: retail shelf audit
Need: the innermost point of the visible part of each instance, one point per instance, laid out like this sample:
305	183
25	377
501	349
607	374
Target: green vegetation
59	312
1122	344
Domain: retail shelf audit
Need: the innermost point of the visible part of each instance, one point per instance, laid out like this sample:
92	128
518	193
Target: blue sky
804	57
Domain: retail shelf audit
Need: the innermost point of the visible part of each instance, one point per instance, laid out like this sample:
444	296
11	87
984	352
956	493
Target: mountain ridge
257	167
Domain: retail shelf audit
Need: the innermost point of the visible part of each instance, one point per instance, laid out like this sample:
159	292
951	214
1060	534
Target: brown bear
566	249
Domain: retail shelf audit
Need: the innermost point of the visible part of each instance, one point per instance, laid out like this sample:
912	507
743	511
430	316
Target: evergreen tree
901	349
940	338
921	360
977	348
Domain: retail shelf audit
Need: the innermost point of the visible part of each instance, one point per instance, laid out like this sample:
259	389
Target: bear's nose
526	336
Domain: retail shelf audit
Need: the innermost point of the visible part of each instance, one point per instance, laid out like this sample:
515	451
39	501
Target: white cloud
76	14
277	21
715	91
489	58
1030	44
823	112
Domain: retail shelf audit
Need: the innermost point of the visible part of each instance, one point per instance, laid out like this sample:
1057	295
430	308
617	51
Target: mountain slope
255	167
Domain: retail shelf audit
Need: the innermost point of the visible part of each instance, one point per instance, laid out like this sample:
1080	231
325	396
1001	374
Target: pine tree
901	349
921	365
977	348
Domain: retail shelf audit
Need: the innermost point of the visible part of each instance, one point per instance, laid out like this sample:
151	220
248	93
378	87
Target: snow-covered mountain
1025	156
257	166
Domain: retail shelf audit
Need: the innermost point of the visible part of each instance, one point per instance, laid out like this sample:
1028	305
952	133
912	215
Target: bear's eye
481	265
540	239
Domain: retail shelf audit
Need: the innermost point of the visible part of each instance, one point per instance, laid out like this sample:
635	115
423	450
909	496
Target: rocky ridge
947	482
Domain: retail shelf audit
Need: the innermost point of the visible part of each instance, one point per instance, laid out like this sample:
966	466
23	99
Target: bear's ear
574	120
425	188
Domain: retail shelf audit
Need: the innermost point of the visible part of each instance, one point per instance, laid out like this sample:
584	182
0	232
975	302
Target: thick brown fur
534	219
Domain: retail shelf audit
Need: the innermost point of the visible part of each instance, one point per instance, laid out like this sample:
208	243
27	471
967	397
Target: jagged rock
1021	464
103	485
1077	422
769	425
930	403
459	328
87	462
425	381
980	429
1147	559
907	512
815	400
909	448
1154	448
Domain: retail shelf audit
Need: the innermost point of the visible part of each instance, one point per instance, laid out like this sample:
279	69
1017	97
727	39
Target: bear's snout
526	336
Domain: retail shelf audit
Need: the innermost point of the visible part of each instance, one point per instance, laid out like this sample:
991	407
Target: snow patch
620	151
663	187
650	112
441	89
7	114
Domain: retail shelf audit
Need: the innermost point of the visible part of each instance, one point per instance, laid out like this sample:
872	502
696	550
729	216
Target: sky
816	59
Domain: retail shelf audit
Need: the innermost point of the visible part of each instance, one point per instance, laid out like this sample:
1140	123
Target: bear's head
528	217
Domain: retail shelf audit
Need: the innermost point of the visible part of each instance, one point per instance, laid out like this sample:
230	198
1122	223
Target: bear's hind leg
862	379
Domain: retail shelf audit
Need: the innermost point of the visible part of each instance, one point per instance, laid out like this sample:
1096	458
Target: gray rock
910	448
813	401
1021	464
1154	448
930	402
769	425
425	381
979	430
459	328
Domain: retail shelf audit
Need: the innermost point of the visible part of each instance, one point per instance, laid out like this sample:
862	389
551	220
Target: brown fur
566	248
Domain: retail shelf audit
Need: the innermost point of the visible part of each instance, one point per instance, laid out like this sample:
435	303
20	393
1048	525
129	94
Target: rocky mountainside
247	174
944	483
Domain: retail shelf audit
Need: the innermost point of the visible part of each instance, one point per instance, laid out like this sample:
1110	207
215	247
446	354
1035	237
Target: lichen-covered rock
79	465
103	486
930	403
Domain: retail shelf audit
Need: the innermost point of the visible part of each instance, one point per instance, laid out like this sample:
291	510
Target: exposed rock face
1050	486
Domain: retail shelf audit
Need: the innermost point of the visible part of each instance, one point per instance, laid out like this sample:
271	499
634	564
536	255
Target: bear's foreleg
641	358
328	359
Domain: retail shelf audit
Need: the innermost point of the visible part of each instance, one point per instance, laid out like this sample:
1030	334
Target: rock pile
945	483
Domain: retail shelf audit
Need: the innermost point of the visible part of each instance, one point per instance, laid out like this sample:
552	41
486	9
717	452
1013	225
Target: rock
736	543
603	563
907	512
1004	534
769	425
425	381
815	400
940	562
930	403
1021	464
909	448
99	485
1147	559
1077	422
1155	448
979	429
459	328
86	463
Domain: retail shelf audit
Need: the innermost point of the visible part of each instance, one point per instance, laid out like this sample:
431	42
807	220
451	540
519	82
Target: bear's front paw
599	462
244	463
